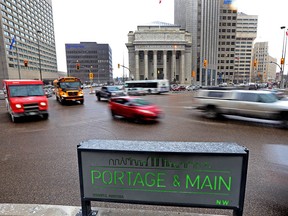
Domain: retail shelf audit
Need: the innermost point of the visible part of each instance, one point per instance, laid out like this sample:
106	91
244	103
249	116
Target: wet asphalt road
38	158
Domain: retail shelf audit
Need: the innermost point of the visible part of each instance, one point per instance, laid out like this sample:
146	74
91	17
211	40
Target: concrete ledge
55	210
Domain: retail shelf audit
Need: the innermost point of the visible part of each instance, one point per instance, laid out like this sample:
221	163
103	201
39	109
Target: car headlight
18	106
43	104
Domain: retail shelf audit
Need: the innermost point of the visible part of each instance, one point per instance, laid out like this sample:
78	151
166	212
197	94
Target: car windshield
26	90
139	102
113	88
268	98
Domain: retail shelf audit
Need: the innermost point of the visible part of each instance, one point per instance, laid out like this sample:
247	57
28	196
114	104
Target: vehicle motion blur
246	103
134	108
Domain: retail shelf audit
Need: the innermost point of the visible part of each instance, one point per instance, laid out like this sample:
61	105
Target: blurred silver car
245	103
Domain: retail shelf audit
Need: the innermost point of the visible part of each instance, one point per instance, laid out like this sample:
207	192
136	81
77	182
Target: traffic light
118	65
25	63
255	63
282	61
78	66
91	75
205	63
193	74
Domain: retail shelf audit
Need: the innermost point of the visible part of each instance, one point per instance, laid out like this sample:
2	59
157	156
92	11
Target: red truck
25	98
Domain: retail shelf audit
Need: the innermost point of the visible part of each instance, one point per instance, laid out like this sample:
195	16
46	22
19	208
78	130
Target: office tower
201	19
90	57
27	43
265	67
246	33
227	45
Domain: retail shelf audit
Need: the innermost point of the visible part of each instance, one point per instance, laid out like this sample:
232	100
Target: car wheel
82	101
98	98
113	113
138	119
13	118
61	100
45	116
211	112
284	123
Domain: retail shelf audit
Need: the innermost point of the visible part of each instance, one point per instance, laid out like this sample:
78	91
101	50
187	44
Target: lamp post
39	32
283	58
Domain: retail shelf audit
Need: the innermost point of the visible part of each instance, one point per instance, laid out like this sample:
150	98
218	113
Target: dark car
108	92
179	88
134	108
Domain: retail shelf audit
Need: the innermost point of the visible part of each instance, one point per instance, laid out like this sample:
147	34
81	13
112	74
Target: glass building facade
90	57
27	35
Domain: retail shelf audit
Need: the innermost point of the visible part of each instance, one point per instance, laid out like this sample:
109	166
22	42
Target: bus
151	86
68	89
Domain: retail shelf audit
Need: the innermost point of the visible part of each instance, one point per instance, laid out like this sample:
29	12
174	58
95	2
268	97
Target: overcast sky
109	21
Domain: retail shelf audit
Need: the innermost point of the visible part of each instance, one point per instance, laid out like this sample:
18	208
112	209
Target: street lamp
39	32
283	58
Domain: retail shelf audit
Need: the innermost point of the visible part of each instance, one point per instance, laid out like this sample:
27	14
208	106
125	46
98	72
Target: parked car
49	91
2	95
134	108
179	88
136	91
192	87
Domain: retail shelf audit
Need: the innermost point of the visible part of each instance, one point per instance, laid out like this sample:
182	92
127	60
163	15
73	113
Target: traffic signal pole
123	66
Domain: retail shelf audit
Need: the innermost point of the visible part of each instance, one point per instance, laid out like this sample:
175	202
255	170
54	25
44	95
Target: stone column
146	64
155	64
188	66
173	67
137	75
183	74
165	64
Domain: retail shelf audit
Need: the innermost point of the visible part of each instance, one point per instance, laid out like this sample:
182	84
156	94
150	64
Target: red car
134	108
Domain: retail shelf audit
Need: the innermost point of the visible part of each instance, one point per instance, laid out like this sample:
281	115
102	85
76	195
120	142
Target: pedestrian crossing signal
26	63
205	63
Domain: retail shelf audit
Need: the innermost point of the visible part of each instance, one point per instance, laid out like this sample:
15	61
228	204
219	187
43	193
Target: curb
57	210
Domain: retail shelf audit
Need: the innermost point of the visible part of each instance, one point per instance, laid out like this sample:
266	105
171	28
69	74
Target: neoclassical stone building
160	51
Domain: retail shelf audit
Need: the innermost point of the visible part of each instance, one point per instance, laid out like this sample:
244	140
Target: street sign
211	175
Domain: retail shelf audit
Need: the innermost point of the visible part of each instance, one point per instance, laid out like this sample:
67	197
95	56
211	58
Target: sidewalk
54	210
